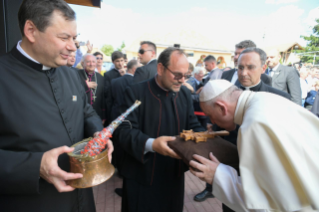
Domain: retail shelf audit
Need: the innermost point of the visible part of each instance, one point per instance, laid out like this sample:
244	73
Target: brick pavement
107	201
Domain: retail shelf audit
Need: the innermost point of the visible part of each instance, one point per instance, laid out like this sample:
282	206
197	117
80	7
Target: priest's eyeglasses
178	76
142	51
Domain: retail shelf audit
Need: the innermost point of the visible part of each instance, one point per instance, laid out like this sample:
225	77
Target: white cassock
278	145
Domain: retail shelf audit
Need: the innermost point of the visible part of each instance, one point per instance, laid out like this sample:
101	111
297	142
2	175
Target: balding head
273	57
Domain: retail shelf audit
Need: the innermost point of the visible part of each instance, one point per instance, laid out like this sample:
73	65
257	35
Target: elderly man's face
71	59
89	63
273	58
199	76
147	54
178	65
249	69
56	43
219	116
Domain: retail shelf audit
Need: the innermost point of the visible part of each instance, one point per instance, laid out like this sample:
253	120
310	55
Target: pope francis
278	146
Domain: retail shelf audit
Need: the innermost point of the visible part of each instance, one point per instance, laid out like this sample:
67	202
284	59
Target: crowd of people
49	104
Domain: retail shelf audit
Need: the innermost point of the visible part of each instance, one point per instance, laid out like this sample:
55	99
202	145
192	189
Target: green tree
312	47
107	49
121	47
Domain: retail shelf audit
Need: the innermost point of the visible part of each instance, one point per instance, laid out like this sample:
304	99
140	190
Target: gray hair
199	69
131	64
262	54
85	56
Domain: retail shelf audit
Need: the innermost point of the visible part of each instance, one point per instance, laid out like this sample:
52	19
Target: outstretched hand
52	173
160	146
206	168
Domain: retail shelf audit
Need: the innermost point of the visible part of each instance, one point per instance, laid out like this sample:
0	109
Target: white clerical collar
150	61
249	87
30	58
129	74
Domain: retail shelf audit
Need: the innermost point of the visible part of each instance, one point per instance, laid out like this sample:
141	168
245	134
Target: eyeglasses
178	76
99	58
142	51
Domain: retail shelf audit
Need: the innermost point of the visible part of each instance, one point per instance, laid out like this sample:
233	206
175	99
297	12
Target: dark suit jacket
117	89
286	79
108	77
146	72
315	106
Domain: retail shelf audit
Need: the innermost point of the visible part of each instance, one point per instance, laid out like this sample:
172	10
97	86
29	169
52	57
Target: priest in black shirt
93	84
43	111
118	61
153	180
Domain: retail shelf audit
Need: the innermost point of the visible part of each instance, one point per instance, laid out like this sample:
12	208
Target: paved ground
107	201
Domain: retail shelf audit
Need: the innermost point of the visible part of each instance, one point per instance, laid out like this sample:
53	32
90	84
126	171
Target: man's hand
91	84
199	90
89	46
110	149
51	172
77	44
189	87
160	146
207	168
209	127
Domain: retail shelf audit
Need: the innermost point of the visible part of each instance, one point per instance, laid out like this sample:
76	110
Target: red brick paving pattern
107	201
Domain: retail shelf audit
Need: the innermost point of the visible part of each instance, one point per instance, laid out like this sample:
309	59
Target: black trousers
155	198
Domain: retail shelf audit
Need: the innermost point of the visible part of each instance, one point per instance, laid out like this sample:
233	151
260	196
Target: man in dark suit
211	66
117	89
147	56
251	64
118	61
231	75
284	78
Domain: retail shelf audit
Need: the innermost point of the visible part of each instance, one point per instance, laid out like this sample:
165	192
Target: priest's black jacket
99	103
160	113
146	72
108	77
40	110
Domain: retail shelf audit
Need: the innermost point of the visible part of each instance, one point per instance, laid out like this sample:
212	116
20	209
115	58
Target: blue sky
228	21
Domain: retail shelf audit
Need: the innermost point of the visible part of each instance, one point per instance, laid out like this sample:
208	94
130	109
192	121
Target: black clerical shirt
39	110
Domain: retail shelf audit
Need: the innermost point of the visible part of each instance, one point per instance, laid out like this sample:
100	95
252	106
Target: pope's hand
160	146
51	172
207	168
